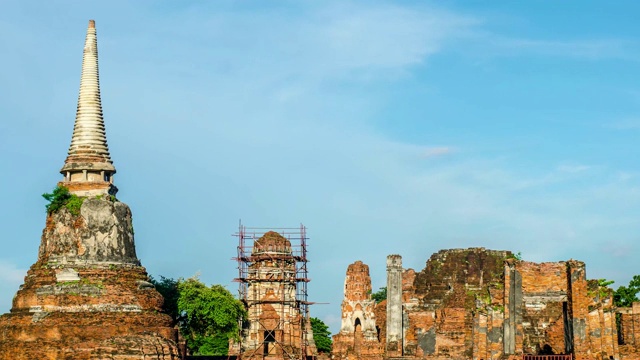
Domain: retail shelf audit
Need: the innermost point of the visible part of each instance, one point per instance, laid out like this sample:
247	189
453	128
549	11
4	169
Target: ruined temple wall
442	318
488	326
549	308
602	335
488	335
601	324
483	304
544	293
630	331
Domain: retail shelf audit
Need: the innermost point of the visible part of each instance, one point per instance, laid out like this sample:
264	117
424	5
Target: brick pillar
480	326
394	305
578	306
495	335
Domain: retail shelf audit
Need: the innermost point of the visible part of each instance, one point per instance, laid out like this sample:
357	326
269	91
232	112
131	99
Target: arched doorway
358	337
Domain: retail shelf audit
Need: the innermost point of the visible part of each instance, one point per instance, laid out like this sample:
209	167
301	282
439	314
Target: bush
61	197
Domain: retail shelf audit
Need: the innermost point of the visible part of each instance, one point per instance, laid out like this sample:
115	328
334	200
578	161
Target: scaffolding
261	270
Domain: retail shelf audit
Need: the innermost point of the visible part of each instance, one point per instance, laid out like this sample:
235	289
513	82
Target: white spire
89	150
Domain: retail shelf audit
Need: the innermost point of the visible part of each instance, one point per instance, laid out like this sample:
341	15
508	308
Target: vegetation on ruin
625	296
60	197
207	315
379	295
517	256
599	288
321	335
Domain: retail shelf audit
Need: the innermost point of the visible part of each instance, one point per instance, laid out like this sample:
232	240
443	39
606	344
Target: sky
384	127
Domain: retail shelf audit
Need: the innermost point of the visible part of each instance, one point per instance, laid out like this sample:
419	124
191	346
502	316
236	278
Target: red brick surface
461	304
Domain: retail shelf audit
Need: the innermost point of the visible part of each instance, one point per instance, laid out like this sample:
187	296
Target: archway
358	337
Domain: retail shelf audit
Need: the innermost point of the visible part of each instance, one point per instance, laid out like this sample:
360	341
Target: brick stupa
87	297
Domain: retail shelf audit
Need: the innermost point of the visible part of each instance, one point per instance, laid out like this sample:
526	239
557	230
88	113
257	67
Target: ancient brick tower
87	297
359	336
273	289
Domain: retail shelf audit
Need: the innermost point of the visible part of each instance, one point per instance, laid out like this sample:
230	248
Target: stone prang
87	297
359	336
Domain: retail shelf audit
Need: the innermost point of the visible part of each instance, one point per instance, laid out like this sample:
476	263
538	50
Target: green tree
321	335
168	288
625	296
380	295
208	316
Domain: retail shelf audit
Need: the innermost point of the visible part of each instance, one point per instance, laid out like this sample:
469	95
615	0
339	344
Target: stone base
110	312
86	336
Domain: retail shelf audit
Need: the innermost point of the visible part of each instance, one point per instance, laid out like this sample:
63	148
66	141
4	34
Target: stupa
87	296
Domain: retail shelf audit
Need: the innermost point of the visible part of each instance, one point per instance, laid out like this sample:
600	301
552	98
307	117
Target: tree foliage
379	295
625	296
605	282
321	335
208	316
168	288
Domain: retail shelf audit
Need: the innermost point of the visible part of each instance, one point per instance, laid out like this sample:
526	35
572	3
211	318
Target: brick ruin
273	281
87	296
485	304
359	335
629	331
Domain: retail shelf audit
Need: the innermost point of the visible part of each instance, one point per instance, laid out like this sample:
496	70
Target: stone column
512	309
394	305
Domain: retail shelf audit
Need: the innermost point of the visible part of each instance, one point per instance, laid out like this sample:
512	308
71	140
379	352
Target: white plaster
67	274
89	136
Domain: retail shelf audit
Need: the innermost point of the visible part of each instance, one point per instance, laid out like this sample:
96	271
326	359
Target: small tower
359	335
88	169
273	279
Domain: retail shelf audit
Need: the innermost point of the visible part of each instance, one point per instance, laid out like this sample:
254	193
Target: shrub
61	197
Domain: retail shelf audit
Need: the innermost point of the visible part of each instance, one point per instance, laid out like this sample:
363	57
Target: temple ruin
629	331
273	279
87	296
359	334
484	304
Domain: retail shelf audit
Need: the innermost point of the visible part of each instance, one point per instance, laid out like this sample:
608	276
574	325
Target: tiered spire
88	160
89	149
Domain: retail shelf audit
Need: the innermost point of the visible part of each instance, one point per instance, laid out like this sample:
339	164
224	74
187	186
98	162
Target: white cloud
573	168
628	124
438	151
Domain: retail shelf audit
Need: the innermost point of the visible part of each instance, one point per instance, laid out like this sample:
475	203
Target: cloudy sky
384	127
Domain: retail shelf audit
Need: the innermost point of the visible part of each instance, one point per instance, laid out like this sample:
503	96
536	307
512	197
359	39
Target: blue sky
384	127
